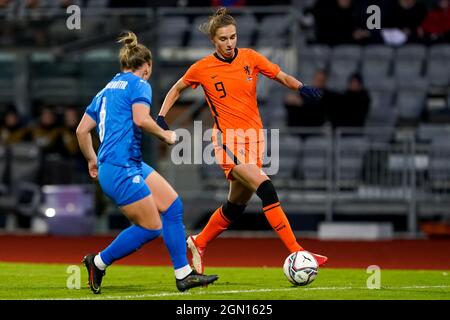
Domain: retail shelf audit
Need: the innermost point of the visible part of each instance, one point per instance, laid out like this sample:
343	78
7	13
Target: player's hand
170	137
160	120
93	169
310	93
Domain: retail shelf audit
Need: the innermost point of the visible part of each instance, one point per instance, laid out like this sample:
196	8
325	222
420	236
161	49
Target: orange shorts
230	155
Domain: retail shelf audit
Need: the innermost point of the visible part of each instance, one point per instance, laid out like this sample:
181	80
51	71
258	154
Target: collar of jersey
227	60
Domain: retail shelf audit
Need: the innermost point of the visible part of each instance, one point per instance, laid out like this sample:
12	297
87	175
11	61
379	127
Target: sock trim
223	216
271	206
183	272
99	262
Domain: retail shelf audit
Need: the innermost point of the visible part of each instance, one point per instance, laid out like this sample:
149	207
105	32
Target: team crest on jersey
136	179
247	71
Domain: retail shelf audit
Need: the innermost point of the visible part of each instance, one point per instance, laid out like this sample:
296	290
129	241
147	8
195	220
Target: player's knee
267	193
145	235
174	213
232	211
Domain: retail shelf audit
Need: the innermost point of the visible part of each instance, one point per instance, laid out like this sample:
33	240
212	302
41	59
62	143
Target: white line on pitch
187	294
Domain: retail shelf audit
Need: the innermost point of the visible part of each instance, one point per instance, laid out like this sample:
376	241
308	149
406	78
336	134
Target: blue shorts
124	185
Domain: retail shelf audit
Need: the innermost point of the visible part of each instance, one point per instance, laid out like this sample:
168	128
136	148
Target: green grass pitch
49	281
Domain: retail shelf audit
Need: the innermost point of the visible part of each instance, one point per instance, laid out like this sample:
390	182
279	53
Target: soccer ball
300	268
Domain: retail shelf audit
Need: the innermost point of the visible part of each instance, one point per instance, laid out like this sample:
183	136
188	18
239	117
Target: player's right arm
172	97
190	79
85	141
143	120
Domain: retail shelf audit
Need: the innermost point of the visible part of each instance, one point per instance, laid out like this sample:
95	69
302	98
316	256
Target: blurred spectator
353	107
13	129
228	3
436	26
5	3
268	2
129	4
70	147
301	113
406	16
46	133
337	22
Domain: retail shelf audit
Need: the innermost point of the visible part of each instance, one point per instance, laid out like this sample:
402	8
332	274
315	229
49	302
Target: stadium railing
349	171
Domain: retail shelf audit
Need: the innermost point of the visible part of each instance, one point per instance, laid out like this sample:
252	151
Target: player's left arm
305	91
288	81
86	125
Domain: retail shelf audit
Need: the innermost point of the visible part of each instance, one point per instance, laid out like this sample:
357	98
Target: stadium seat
410	104
405	70
97	68
3	169
439	52
349	159
7	65
315	159
316	52
273	31
411	52
286	171
377	69
347	52
439	170
438	72
344	61
380	123
311	59
381	99
413	84
429	132
172	30
25	169
378	52
289	146
197	39
247	26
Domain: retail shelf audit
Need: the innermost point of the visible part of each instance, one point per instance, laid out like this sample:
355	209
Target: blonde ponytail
221	18
133	55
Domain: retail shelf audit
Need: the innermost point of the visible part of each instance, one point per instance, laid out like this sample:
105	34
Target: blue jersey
111	109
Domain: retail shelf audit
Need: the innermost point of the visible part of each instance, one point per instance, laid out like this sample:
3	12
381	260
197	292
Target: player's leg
146	227
170	206
238	197
256	180
129	191
220	220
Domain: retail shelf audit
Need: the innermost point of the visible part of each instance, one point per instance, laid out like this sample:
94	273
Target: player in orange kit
229	77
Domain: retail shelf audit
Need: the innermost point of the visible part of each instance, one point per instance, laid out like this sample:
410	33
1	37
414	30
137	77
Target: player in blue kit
120	112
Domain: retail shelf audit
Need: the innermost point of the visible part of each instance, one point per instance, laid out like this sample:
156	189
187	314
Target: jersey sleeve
92	109
192	76
141	92
264	65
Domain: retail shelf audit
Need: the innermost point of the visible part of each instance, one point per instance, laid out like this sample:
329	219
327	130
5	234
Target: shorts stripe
225	148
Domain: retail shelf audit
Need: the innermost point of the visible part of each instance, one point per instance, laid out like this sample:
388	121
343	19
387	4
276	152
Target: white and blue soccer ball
300	268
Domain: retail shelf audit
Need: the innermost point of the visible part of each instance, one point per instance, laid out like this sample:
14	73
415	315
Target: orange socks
274	214
216	225
277	219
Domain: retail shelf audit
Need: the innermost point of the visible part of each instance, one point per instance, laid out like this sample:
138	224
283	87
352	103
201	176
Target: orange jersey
230	87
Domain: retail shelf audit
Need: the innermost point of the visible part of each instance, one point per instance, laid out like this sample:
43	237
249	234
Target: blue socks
174	234
132	238
127	242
